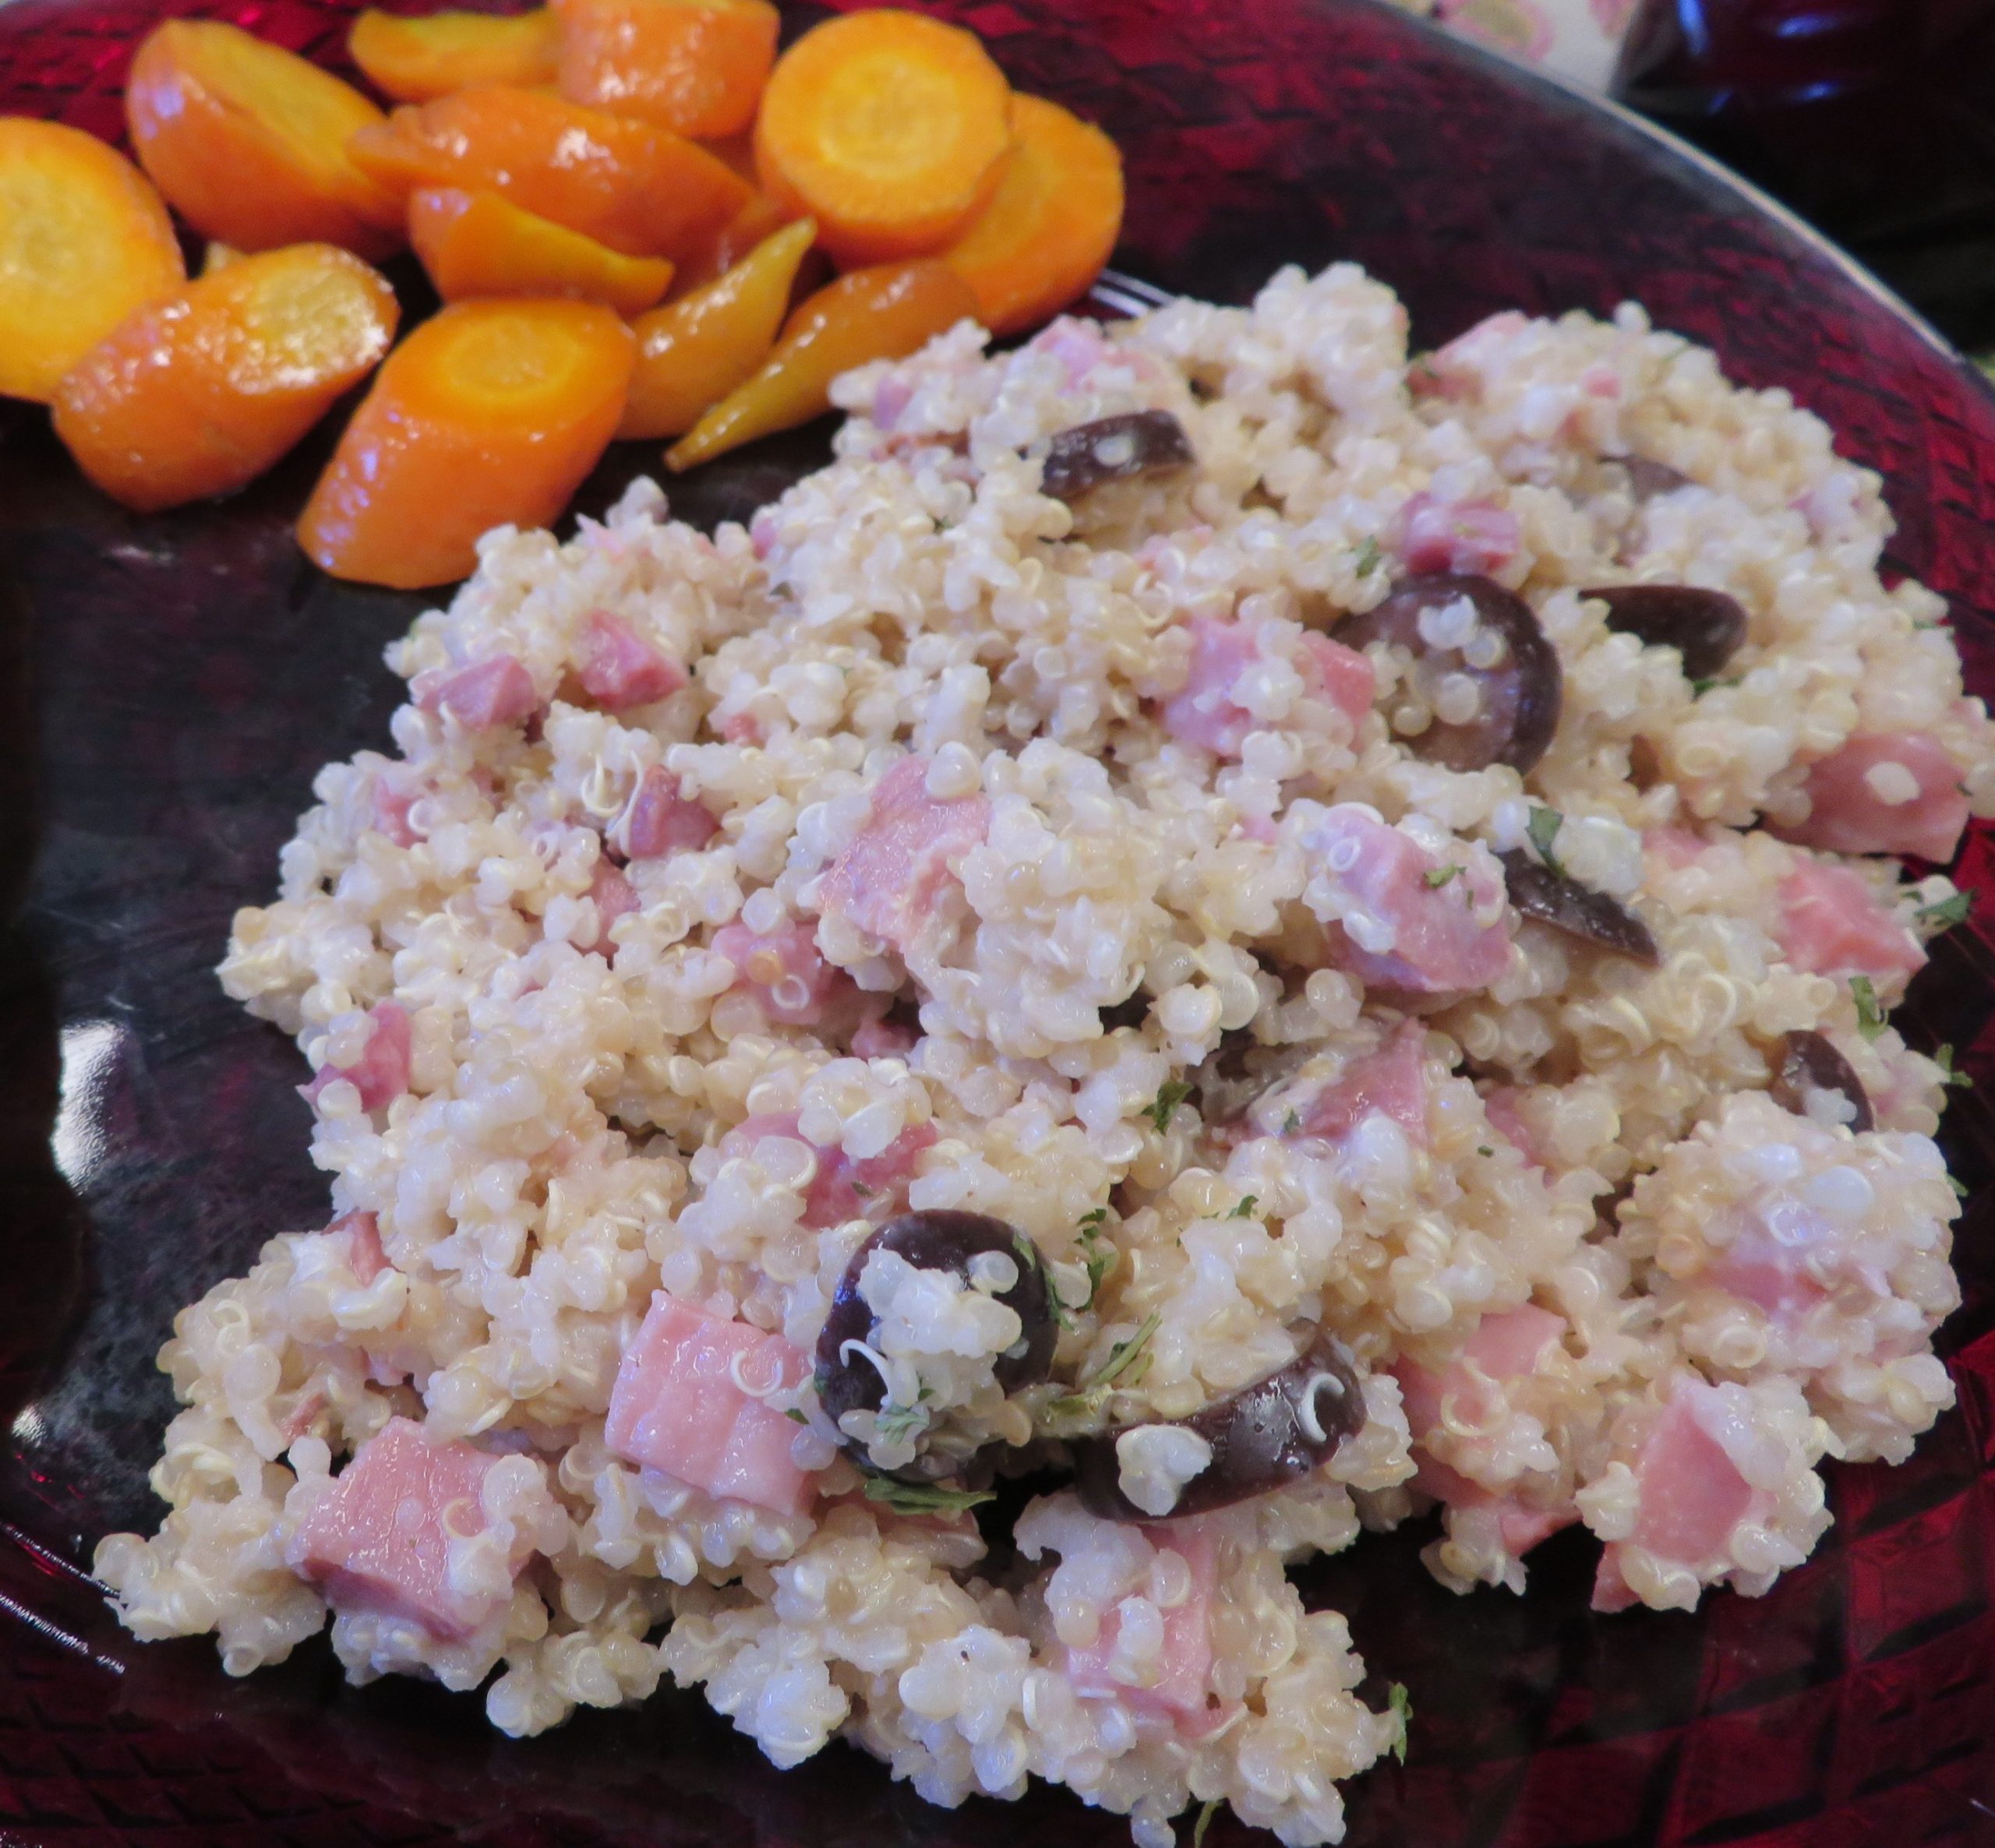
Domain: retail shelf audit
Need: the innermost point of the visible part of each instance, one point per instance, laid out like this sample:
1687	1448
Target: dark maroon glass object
169	686
1874	118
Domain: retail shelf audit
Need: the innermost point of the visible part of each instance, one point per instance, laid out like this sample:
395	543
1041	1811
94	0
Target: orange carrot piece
198	394
84	241
881	313
416	59
248	142
218	255
737	152
640	189
888	128
481	244
1051	224
761	217
691	354
488	415
695	67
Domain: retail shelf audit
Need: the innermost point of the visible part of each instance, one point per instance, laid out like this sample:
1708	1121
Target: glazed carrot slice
200	393
712	258
248	142
881	313
640	189
1051	222
84	241
695	67
488	415
887	128
415	59
481	244
693	354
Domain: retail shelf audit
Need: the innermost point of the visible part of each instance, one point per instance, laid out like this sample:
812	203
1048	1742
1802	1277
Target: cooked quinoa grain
737	916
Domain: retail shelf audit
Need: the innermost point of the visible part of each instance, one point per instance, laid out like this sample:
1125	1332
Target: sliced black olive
1114	448
1706	627
1577	910
1809	1063
1521	693
1648	477
1275	1430
934	1241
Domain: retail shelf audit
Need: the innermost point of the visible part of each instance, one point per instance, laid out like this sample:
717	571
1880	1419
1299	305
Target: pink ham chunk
364	1255
795	983
660	820
1677	847
1205	713
1784	1258
380	1541
884	1039
380	1074
1519	1526
1507	1118
619	668
874	1187
1429	534
1389	1081
1504	1348
392	798
1182	1696
489	693
1450	938
1833	923
615	898
891	881
1692	1495
1859	802
686	1403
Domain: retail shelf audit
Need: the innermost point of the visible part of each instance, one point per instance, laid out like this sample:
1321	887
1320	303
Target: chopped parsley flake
796	1416
1205	1821
1401	1703
1245	1209
1485	1152
897	1424
1291	1124
1543	829
1437	877
1122	1359
1950	1073
923	1498
1368	555
1959	1186
1174	1092
1869	1016
1945	913
1700	688
1100	1258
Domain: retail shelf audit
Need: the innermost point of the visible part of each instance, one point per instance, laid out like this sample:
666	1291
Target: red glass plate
169	685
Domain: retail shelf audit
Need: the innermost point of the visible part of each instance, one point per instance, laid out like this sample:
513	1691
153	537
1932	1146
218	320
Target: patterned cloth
1577	39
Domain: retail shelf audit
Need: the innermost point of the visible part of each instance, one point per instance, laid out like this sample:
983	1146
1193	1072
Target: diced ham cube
889	881
619	668
1389	1081
1507	1118
687	1402
1692	1495
615	898
1340	675
497	692
1429	534
1205	714
796	985
1519	1526
1884	793
380	1074
1504	1348
843	1189
392	799
660	820
1450	937
1182	1694
362	1233
1455	371
381	1540
1832	923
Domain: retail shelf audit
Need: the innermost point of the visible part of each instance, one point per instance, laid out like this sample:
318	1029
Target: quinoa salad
1218	937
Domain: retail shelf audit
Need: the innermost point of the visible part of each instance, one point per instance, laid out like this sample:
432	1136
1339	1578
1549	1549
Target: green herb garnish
1291	1124
897	1424
1438	876
923	1498
1959	1187
1946	912
1088	1397
1485	1152
1174	1092
1950	1073
1543	829
1245	1209
1700	688
1368	555
1205	1821
1869	1016
1401	1704
796	1417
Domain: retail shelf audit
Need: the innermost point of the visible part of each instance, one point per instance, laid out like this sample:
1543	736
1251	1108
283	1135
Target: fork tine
1126	294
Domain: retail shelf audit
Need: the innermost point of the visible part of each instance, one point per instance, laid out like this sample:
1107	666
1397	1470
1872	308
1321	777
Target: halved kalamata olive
1519	692
1577	910
1114	448
1808	1062
1706	627
934	1241
1276	1430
